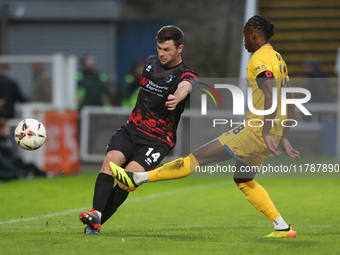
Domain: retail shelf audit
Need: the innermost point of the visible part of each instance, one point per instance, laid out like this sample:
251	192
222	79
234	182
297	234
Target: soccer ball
30	134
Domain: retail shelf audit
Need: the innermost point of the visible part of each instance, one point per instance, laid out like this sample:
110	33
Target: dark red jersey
150	114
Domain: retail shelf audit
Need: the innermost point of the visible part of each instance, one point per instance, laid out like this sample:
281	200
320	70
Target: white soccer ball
30	134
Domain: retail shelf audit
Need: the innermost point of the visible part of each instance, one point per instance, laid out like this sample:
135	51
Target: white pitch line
138	199
51	215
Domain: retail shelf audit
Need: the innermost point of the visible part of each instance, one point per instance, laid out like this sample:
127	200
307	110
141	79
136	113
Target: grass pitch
187	216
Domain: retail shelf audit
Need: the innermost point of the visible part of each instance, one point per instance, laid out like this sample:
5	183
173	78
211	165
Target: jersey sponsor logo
260	68
154	88
143	80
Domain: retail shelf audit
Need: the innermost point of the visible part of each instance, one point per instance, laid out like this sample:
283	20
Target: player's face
168	55
248	35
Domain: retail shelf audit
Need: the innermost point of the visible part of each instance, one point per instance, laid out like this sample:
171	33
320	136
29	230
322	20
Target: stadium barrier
98	124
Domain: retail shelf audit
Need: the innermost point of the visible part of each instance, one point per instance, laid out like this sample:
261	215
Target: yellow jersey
266	59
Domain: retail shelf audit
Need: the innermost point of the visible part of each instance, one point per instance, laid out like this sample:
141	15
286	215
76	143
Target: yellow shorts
246	145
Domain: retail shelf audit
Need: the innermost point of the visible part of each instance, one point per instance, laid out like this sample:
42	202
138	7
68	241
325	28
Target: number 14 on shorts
151	156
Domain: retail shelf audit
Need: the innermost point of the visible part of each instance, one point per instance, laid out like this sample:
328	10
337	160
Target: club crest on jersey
169	79
148	69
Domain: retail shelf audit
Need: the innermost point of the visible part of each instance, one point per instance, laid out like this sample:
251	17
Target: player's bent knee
116	157
112	156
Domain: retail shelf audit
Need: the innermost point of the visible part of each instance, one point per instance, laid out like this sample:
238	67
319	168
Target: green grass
187	216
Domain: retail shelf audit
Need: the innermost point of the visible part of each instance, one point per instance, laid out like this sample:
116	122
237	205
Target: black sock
109	209
102	191
118	196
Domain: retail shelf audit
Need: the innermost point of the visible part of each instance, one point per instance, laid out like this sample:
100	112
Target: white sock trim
279	223
99	214
140	177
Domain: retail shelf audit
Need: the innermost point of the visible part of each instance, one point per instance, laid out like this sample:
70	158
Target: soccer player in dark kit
249	144
150	133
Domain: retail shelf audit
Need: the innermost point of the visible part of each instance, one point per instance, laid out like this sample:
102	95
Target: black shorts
137	146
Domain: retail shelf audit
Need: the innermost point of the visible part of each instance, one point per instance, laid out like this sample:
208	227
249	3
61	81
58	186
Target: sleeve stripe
190	74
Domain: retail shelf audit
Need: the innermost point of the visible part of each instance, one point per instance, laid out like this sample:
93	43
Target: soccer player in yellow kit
249	145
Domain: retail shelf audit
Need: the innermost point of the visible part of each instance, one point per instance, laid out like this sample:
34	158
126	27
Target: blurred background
76	64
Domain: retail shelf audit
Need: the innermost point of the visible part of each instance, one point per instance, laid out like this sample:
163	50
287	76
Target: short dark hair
167	33
262	23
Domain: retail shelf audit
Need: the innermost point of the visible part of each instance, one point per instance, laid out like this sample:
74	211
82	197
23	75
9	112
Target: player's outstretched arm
288	149
267	89
285	144
183	89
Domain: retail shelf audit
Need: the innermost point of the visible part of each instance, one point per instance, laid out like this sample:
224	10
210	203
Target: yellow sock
178	168
259	198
